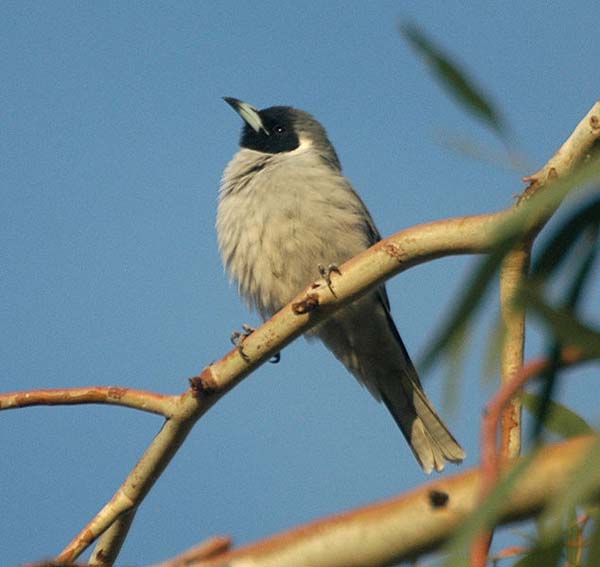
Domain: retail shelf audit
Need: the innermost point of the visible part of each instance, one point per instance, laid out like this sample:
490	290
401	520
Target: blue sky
114	137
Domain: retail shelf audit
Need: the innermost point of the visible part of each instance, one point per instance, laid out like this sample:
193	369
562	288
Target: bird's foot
326	274
238	337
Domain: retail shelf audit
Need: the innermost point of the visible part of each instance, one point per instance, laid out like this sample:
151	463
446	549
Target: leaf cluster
554	294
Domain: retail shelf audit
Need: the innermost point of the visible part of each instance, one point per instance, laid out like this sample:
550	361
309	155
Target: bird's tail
364	338
426	433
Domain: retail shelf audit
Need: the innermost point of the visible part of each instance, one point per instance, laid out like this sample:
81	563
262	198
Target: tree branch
387	533
207	549
491	461
575	149
111	395
514	270
408	248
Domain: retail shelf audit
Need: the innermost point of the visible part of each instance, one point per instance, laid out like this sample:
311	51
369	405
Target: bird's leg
326	274
238	337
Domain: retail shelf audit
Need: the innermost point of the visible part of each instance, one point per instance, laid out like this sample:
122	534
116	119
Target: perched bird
285	208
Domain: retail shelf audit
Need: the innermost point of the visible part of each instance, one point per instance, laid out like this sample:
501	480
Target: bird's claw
326	274
238	337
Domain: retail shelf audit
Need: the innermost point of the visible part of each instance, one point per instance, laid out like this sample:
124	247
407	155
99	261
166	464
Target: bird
284	209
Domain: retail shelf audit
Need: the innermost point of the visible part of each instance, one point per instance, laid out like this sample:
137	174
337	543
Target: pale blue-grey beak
248	113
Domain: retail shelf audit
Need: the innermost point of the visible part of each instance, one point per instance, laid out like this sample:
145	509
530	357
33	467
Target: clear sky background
113	139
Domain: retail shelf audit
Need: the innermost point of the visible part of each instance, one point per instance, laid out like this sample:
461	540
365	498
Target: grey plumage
284	208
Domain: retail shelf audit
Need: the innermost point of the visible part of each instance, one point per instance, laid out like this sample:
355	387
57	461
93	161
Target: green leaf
453	78
572	296
582	486
565	326
581	278
457	348
466	146
560	419
456	324
593	550
513	230
542	555
550	379
556	251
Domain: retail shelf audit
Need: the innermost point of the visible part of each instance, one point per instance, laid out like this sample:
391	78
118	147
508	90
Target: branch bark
111	395
387	533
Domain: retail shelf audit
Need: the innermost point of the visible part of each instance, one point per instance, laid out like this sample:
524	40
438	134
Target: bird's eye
278	129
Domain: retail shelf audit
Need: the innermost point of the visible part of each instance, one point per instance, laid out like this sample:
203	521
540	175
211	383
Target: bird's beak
248	113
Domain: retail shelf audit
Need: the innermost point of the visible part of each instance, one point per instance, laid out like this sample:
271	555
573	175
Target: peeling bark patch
438	499
395	251
116	393
204	384
308	304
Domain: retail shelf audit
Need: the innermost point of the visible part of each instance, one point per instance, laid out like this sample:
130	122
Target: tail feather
364	338
428	437
437	429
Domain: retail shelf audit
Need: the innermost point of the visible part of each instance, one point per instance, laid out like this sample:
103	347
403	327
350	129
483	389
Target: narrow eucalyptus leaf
542	555
585	268
565	326
593	548
582	486
467	304
453	79
555	251
560	419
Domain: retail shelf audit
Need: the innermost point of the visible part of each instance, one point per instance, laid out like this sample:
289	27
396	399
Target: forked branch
408	248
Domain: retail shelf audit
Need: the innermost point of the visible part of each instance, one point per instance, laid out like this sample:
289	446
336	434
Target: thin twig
579	542
514	270
575	149
110	543
112	395
139	482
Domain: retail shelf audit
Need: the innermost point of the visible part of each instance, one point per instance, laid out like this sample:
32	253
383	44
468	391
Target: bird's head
282	129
